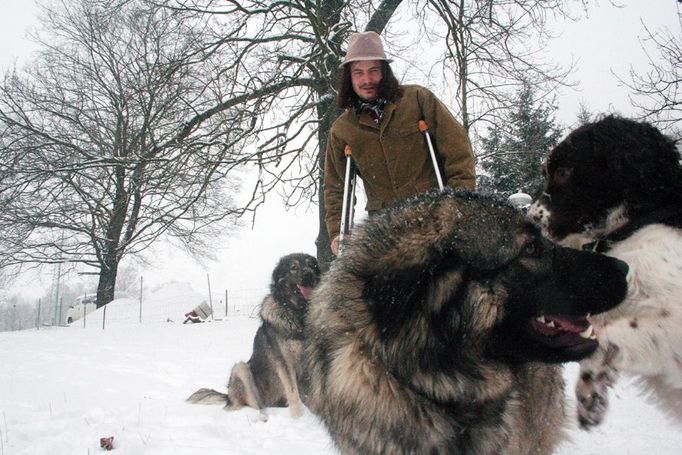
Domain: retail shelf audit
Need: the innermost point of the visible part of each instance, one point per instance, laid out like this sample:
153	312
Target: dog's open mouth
561	331
305	291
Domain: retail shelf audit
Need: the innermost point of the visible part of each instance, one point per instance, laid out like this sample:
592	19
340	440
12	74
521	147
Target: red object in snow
107	443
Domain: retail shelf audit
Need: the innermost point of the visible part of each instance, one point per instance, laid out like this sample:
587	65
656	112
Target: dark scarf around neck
374	108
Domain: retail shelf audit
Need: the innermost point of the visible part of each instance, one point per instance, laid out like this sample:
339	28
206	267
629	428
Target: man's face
365	76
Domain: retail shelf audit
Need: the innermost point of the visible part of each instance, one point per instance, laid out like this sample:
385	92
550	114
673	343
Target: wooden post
210	301
141	284
38	321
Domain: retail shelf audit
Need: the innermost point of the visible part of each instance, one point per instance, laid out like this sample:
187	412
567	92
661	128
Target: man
380	124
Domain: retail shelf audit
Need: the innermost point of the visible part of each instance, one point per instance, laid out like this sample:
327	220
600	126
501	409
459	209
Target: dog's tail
209	396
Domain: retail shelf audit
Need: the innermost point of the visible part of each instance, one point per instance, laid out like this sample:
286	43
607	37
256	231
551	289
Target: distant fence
151	306
241	301
174	307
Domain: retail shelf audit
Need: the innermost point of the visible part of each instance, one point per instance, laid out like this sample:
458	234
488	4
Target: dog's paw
296	410
591	390
592	399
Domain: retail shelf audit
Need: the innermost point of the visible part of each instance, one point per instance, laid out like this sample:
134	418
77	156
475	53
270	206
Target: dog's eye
532	249
561	174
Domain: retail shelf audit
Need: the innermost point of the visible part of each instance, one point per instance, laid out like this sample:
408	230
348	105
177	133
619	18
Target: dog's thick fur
424	338
616	185
271	376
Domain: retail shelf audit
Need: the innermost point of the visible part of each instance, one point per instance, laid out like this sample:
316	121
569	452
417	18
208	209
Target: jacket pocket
405	129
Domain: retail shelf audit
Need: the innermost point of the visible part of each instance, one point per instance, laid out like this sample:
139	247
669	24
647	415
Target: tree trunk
111	254
107	282
327	112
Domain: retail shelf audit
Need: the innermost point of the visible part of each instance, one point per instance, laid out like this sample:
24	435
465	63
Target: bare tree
656	92
93	166
491	49
266	69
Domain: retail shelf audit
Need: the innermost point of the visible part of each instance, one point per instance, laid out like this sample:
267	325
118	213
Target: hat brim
365	59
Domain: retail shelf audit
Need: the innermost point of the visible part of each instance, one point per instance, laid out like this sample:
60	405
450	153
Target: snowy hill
62	389
168	303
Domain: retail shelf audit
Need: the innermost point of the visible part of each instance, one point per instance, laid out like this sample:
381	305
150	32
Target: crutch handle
423	127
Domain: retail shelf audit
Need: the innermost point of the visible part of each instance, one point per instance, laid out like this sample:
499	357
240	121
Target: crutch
348	197
424	128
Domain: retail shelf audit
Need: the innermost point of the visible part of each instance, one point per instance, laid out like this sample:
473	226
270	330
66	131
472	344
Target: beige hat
364	46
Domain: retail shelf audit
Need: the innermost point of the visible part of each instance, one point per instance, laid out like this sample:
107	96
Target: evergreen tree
513	155
584	115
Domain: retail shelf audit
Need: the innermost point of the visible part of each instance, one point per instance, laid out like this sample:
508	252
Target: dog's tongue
569	324
305	291
564	328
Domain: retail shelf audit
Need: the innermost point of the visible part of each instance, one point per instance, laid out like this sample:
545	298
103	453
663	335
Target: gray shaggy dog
439	330
270	377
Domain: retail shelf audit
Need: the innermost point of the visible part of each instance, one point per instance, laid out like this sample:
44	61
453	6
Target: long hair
389	87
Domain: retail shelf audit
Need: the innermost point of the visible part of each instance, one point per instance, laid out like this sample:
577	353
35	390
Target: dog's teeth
541	319
551	324
588	333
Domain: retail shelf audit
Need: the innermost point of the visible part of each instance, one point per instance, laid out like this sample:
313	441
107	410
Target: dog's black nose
622	266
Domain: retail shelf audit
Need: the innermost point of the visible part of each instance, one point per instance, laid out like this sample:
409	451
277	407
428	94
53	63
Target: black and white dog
615	186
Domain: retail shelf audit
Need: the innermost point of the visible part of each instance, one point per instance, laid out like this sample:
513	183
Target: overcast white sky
16	16
605	42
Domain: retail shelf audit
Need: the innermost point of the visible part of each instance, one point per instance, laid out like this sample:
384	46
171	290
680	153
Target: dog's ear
311	262
650	163
483	234
280	269
479	247
634	157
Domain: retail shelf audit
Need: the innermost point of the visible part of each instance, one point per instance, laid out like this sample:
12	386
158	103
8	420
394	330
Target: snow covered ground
62	389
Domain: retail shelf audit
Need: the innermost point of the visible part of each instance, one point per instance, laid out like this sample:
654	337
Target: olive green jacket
392	157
